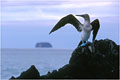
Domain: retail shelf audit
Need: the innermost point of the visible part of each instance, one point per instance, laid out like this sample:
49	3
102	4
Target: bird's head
85	16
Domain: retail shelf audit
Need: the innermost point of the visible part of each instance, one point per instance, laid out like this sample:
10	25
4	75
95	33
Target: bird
86	28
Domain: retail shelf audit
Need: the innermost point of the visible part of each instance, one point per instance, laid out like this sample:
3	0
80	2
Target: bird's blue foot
86	42
83	44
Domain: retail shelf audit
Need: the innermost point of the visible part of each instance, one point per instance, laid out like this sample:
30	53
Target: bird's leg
86	42
83	44
80	43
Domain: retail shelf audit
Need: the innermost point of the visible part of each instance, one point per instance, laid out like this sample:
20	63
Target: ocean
15	61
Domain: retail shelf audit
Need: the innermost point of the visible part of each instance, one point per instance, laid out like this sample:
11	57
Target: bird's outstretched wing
67	19
95	27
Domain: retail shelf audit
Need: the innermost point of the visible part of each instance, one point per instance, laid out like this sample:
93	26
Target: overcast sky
26	22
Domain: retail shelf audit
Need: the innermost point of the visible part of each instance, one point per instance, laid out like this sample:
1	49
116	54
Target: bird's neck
87	26
87	21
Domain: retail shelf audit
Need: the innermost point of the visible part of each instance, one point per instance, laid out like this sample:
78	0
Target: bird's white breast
85	35
86	30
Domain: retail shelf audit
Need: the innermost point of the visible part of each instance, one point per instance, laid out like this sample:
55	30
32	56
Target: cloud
20	10
80	5
48	2
27	14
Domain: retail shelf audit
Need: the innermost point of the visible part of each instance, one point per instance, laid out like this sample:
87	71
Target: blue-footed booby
84	28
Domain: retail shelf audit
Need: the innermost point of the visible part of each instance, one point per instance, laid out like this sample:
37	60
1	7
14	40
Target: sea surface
15	61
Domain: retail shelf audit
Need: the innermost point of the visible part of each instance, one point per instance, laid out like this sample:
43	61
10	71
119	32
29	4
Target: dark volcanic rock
31	73
97	60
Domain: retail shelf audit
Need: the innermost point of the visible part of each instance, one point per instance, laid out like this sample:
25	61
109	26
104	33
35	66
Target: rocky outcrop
97	60
31	73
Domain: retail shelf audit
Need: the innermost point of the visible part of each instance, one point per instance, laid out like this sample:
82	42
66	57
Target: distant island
43	45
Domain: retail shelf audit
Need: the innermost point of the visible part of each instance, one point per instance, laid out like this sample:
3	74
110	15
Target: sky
27	22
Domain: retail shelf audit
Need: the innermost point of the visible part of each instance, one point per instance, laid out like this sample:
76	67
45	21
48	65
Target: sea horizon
16	60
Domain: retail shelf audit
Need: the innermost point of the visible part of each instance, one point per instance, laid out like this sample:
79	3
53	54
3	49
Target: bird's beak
81	15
